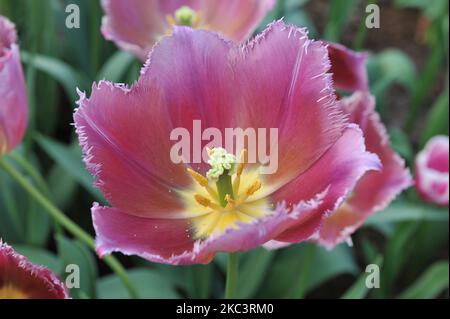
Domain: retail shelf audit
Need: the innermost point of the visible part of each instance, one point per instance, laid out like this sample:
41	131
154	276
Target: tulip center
227	196
185	16
10	292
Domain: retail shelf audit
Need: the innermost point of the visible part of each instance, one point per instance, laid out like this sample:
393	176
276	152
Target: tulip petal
27	280
134	25
197	64
251	235
348	68
338	170
235	19
125	139
13	103
285	84
158	240
375	190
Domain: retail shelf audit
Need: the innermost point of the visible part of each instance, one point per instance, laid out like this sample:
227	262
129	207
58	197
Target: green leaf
12	224
116	67
40	256
340	11
401	212
282	279
395	66
437	122
396	254
150	284
433	281
65	74
69	158
253	270
401	144
200	281
74	252
359	289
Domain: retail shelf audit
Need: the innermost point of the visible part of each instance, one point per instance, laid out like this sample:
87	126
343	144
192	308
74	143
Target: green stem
68	224
29	169
232	275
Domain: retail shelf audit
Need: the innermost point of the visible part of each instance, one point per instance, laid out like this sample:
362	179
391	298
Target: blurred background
408	70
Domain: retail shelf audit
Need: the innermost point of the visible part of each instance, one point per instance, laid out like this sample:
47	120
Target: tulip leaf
401	144
200	282
69	158
339	14
359	289
74	252
40	256
437	122
283	278
432	282
65	74
11	216
149	283
401	212
254	267
116	67
396	253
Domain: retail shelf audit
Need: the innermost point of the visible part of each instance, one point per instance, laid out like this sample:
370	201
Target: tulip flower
432	179
136	25
183	213
20	279
13	97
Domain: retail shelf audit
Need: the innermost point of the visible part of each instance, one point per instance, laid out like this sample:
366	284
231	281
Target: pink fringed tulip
20	279
13	97
432	178
136	25
171	213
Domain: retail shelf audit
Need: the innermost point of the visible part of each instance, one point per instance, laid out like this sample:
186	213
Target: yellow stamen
202	200
170	21
225	207
199	178
243	160
203	182
256	186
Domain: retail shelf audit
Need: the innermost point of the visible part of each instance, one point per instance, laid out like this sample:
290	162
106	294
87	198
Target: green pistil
185	16
224	187
223	166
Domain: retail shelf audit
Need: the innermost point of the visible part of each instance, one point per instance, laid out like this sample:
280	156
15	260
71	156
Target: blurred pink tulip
13	96
20	279
432	178
136	25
